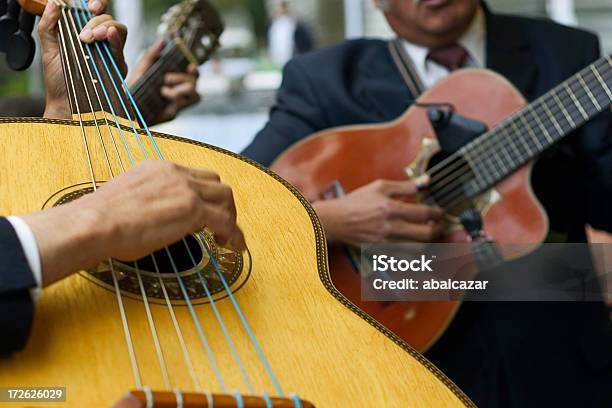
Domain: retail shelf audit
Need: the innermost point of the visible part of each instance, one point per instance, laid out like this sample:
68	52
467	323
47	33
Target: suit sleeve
594	147
16	280
298	113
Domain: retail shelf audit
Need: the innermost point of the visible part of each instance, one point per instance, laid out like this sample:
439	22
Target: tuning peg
8	23
21	46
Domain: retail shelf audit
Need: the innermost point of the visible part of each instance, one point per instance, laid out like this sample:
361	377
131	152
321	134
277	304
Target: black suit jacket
16	280
357	82
501	354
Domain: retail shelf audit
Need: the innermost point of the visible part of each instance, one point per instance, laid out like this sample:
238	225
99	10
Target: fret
553	119
575	100
531	133
531	110
538	126
566	114
521	137
513	147
588	92
502	146
601	81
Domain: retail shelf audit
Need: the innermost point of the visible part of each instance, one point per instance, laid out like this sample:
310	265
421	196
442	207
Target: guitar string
452	191
504	134
210	253
456	195
187	299
89	101
70	79
95	88
491	142
510	119
158	350
212	302
166	60
465	168
162	284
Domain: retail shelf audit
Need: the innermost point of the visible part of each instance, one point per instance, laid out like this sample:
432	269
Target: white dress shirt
474	42
30	248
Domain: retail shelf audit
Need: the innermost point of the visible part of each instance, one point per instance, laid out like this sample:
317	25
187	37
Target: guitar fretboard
524	135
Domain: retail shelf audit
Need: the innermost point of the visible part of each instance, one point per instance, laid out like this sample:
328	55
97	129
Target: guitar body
318	344
357	155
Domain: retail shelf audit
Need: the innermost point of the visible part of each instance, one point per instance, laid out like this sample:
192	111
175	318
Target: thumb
153	52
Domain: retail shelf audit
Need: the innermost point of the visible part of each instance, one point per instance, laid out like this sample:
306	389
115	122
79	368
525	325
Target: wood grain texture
317	347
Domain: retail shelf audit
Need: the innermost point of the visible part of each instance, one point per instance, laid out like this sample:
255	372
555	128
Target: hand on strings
378	212
57	103
178	88
143	210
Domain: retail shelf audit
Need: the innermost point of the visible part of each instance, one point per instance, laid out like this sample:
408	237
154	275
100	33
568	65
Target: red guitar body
357	155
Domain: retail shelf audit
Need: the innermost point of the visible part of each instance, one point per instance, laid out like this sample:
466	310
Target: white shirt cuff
30	248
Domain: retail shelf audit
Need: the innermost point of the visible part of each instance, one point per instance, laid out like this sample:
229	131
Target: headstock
195	25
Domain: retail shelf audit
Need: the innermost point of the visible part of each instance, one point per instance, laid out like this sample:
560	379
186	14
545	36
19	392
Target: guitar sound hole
232	269
180	258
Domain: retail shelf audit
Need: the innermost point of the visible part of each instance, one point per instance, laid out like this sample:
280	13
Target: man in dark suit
501	354
151	206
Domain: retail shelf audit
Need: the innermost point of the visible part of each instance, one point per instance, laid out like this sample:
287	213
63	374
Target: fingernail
86	35
95	6
422	182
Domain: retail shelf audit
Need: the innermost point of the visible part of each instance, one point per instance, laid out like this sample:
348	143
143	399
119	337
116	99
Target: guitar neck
146	90
520	138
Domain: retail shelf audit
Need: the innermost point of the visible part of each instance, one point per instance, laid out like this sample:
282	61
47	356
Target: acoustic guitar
195	324
488	176
188	41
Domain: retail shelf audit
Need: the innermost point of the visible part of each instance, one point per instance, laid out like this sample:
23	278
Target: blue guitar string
214	261
239	400
106	96
183	289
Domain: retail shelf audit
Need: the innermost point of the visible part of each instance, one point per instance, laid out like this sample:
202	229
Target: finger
406	231
175	78
193	70
154	51
178	92
404	188
97	20
414	212
203	174
97	7
116	41
221	222
47	27
237	241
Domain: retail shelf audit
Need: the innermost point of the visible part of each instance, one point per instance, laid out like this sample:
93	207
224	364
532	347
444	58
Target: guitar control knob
21	45
8	23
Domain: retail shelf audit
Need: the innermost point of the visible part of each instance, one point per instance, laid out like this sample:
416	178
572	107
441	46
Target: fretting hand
178	88
101	28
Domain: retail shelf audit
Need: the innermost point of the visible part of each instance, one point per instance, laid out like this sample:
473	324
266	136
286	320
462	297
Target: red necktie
451	57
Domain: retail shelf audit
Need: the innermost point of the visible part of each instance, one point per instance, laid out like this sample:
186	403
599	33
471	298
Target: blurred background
239	86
